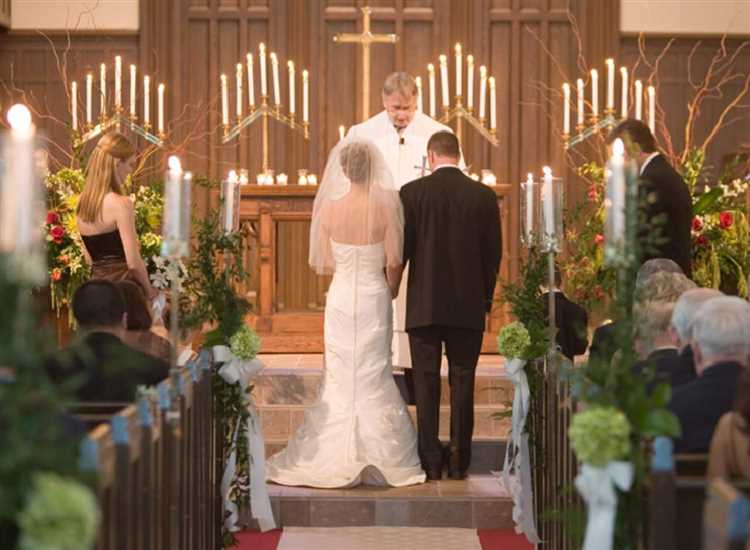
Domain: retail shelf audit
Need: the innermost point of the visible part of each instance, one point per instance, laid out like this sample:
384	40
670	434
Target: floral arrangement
65	257
600	435
60	514
245	343
513	340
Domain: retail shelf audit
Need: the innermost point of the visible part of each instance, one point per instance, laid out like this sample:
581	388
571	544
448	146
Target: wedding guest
99	366
721	346
684	312
571	321
139	323
106	216
666	201
729	455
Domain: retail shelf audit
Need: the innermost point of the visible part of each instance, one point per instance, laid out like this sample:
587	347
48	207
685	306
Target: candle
17	222
488	178
263	76
474	176
146	99
624	94
529	188
74	104
103	90
431	77
580	112
302	179
418	82
610	84
89	94
118	82
282	179
493	104
312	179
290	65
305	96
260	179
185	211
250	83
470	81
133	85
615	193
652	108
172	206
342	132
458	69
239	78
444	80
482	91
638	99
230	187
224	101
566	109
594	93
548	203
160	108
275	70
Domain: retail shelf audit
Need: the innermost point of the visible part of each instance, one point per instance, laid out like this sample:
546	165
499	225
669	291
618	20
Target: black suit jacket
571	321
453	245
100	367
669	366
604	342
669	208
700	404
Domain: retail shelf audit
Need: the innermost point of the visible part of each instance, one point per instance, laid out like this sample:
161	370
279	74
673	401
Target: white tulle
359	430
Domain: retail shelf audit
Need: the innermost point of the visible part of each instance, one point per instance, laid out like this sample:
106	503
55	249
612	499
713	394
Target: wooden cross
366	38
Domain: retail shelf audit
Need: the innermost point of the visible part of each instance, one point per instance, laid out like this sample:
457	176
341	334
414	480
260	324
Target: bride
359	430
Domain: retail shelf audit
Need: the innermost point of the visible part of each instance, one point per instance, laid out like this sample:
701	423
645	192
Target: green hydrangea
513	340
600	435
245	343
60	514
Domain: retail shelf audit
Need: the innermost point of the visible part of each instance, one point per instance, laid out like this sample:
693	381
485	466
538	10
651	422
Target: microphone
401	140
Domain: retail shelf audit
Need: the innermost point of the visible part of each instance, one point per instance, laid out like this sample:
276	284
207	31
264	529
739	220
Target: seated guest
99	366
571	321
656	348
138	334
684	312
721	347
729	456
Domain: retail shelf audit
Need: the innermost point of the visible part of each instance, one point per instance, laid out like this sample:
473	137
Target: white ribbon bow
597	487
517	457
240	371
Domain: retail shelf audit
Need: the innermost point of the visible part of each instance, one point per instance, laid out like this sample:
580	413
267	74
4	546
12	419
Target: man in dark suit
665	199
453	244
98	366
721	347
571	321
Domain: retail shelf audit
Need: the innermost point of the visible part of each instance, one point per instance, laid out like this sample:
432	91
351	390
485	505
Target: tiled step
479	502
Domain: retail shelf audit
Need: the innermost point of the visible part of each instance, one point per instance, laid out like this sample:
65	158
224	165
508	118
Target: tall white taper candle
580	113
146	100
638	92
594	93
548	203
610	105
431	78
103	90
133	84
160	108
224	100
493	103
250	82
118	82
239	77
74	104
624	94
482	91
262	66
276	87
305	96
89	94
651	108
469	82
292	107
566	108
458	69
444	80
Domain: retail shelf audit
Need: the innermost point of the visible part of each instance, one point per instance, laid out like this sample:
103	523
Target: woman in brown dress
106	217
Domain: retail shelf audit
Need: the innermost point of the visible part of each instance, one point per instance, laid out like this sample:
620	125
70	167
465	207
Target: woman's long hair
101	176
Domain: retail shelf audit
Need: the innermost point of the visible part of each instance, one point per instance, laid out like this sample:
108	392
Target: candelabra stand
595	125
461	114
119	121
266	112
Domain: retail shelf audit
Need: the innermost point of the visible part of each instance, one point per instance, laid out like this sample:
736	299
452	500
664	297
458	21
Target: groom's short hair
444	144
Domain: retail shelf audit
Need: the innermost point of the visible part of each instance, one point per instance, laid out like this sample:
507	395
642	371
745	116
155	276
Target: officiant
401	134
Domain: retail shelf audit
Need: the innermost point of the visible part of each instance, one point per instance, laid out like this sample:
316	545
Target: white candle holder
551	214
230	204
177	211
530	212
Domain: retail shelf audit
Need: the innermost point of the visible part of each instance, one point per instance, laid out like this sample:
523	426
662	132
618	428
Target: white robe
405	153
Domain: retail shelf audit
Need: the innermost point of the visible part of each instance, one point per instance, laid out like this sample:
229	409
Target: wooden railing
158	467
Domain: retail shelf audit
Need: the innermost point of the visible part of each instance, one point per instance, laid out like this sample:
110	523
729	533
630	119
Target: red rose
697	224
592	193
726	220
56	274
52	217
701	240
57	233
598	292
598	238
64	259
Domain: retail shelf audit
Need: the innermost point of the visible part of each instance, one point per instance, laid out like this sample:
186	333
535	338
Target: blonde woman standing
106	216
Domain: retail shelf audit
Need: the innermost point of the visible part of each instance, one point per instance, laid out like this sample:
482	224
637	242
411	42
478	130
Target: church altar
288	298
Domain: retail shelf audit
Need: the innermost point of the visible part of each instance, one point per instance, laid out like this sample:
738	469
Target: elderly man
681	326
401	134
721	346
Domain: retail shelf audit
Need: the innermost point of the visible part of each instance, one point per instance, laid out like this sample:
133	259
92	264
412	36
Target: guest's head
99	305
110	162
664	286
636	136
356	162
443	148
400	98
655	265
136	306
652	322
721	332
684	313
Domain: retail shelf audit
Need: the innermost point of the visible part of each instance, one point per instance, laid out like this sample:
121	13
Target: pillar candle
305	96
262	67
250	83
89	94
652	108
172	204
74	104
186	210
282	179
615	192
239	79
118	82
482	91
230	184
624	95
458	69
418	82
103	90
275	70
548	203
566	109
638	99
594	93
529	229
146	100
579	112
160	108
133	84
431	78
470	81
292	109
493	104
224	101
444	80
610	84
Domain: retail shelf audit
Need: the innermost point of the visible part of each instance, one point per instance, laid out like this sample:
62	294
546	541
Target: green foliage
245	343
600	435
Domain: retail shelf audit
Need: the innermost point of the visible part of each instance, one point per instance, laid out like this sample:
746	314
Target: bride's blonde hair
101	175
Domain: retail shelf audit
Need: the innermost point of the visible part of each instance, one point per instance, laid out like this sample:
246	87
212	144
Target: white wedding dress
359	430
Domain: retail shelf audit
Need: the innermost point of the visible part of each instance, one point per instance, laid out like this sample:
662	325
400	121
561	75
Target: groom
453	245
